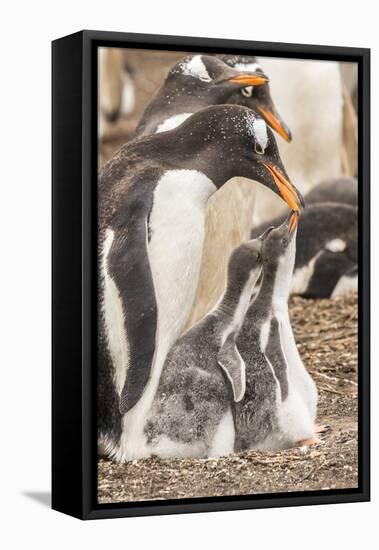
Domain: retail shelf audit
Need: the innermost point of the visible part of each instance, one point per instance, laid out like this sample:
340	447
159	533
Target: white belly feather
175	249
114	320
298	376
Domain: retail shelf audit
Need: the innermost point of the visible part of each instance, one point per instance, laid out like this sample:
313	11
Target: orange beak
286	189
275	123
249	79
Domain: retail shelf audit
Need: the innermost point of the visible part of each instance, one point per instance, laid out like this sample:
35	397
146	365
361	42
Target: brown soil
326	333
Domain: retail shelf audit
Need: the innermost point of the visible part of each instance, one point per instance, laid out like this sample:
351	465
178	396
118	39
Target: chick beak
289	193
248	79
265	234
293	223
276	123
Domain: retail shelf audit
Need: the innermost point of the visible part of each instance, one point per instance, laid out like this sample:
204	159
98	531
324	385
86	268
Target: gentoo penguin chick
195	82
279	406
257	98
342	190
152	201
326	262
203	373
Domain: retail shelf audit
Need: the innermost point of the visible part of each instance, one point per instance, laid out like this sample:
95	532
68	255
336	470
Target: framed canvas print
210	274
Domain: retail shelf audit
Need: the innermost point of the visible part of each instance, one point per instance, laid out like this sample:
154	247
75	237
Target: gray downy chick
203	374
279	406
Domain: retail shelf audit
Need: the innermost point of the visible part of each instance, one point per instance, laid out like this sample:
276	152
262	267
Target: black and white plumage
279	406
152	198
198	81
326	262
230	212
192	84
191	415
258	98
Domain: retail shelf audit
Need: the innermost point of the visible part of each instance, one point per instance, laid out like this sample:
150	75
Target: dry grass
326	332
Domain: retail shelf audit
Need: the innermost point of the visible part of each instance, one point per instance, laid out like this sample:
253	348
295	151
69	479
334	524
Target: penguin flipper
234	367
275	356
129	267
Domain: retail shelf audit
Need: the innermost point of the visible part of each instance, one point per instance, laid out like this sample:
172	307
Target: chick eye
284	241
259	149
247	92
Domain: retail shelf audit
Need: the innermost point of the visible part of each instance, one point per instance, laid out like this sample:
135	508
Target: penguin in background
326	262
152	203
258	98
279	407
198	81
116	88
195	82
340	190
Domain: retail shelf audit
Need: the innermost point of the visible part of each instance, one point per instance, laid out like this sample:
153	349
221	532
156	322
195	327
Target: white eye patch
250	67
336	245
258	130
196	68
260	134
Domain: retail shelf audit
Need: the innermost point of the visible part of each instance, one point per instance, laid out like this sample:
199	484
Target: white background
27	29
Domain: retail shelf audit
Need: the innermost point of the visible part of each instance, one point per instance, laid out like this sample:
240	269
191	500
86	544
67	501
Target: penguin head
279	245
208	77
235	141
245	264
257	98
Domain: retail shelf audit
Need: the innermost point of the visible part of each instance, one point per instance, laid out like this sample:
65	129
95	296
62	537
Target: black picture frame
74	175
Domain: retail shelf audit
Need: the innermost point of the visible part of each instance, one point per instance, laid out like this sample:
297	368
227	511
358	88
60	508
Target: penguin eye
284	241
247	92
259	149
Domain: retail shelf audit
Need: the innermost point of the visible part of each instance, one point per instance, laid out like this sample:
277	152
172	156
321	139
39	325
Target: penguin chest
176	230
299	380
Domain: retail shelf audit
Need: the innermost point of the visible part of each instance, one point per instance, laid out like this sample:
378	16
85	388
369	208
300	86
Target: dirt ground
326	334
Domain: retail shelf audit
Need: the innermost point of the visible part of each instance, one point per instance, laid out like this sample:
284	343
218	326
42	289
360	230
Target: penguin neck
232	308
276	284
283	277
196	145
264	299
170	108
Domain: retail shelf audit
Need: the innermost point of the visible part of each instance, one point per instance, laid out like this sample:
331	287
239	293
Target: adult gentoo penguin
203	375
326	262
152	200
280	402
198	81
